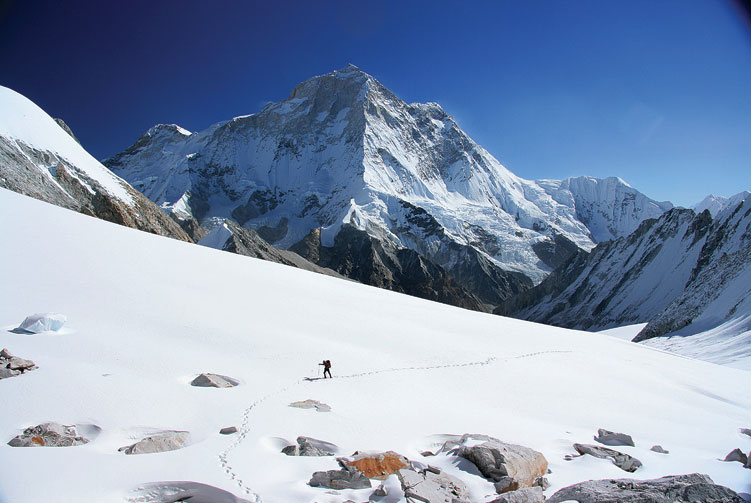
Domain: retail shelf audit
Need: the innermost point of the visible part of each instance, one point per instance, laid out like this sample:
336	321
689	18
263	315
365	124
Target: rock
542	482
658	448
376	466
42	322
311	404
748	463
160	442
173	492
525	495
340	479
214	381
505	484
5	354
610	438
380	492
498	460
307	446
5	372
229	430
694	488
429	487
49	435
737	455
426	454
746	431
619	459
16	363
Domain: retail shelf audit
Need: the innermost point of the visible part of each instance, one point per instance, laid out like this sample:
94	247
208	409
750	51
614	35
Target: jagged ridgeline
392	194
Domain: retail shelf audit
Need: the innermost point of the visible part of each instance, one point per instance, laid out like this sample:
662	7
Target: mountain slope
344	150
404	371
39	158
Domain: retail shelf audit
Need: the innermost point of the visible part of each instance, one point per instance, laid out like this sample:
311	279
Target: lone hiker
326	368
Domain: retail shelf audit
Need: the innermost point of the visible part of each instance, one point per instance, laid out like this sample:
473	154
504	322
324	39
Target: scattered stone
311	404
49	435
214	381
11	366
160	442
426	454
229	430
658	448
173	492
380	492
497	461
672	489
433	469
606	437
746	431
569	457
340	479
307	446
375	466
42	322
619	459
429	487
737	455
525	495
542	482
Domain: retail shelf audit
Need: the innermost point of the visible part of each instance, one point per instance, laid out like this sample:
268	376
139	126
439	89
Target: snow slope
343	149
140	329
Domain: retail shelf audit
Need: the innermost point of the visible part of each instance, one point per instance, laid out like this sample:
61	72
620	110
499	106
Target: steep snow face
715	204
342	149
25	127
610	208
621	282
428	369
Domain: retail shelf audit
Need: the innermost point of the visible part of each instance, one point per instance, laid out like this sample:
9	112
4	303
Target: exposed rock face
510	466
307	446
49	435
160	442
611	438
376	466
525	495
311	404
66	128
737	455
214	381
226	235
692	488
359	256
340	479
11	366
430	487
173	492
619	459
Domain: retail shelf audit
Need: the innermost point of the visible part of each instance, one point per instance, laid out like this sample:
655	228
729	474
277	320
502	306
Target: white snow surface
716	204
343	149
147	314
21	120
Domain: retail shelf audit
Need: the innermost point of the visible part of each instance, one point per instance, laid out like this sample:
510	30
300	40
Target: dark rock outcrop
606	437
694	488
340	479
737	455
619	459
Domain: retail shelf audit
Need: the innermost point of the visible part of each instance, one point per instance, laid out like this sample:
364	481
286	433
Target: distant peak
167	128
350	68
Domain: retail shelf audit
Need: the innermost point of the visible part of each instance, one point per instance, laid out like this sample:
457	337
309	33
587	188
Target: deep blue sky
656	92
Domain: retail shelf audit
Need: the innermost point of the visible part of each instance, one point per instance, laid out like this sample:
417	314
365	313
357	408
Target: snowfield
146	314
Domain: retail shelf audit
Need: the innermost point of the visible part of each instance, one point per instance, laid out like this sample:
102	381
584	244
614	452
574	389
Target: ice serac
40	157
342	152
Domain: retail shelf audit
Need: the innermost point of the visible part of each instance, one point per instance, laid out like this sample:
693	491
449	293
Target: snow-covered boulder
671	489
49	435
307	446
160	442
423	486
43	322
311	404
207	380
171	492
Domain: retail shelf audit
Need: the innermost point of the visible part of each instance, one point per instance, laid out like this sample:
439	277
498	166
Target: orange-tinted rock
379	465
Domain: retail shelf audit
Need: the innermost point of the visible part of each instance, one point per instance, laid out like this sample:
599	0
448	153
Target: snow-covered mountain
715	204
40	157
343	150
684	274
407	373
